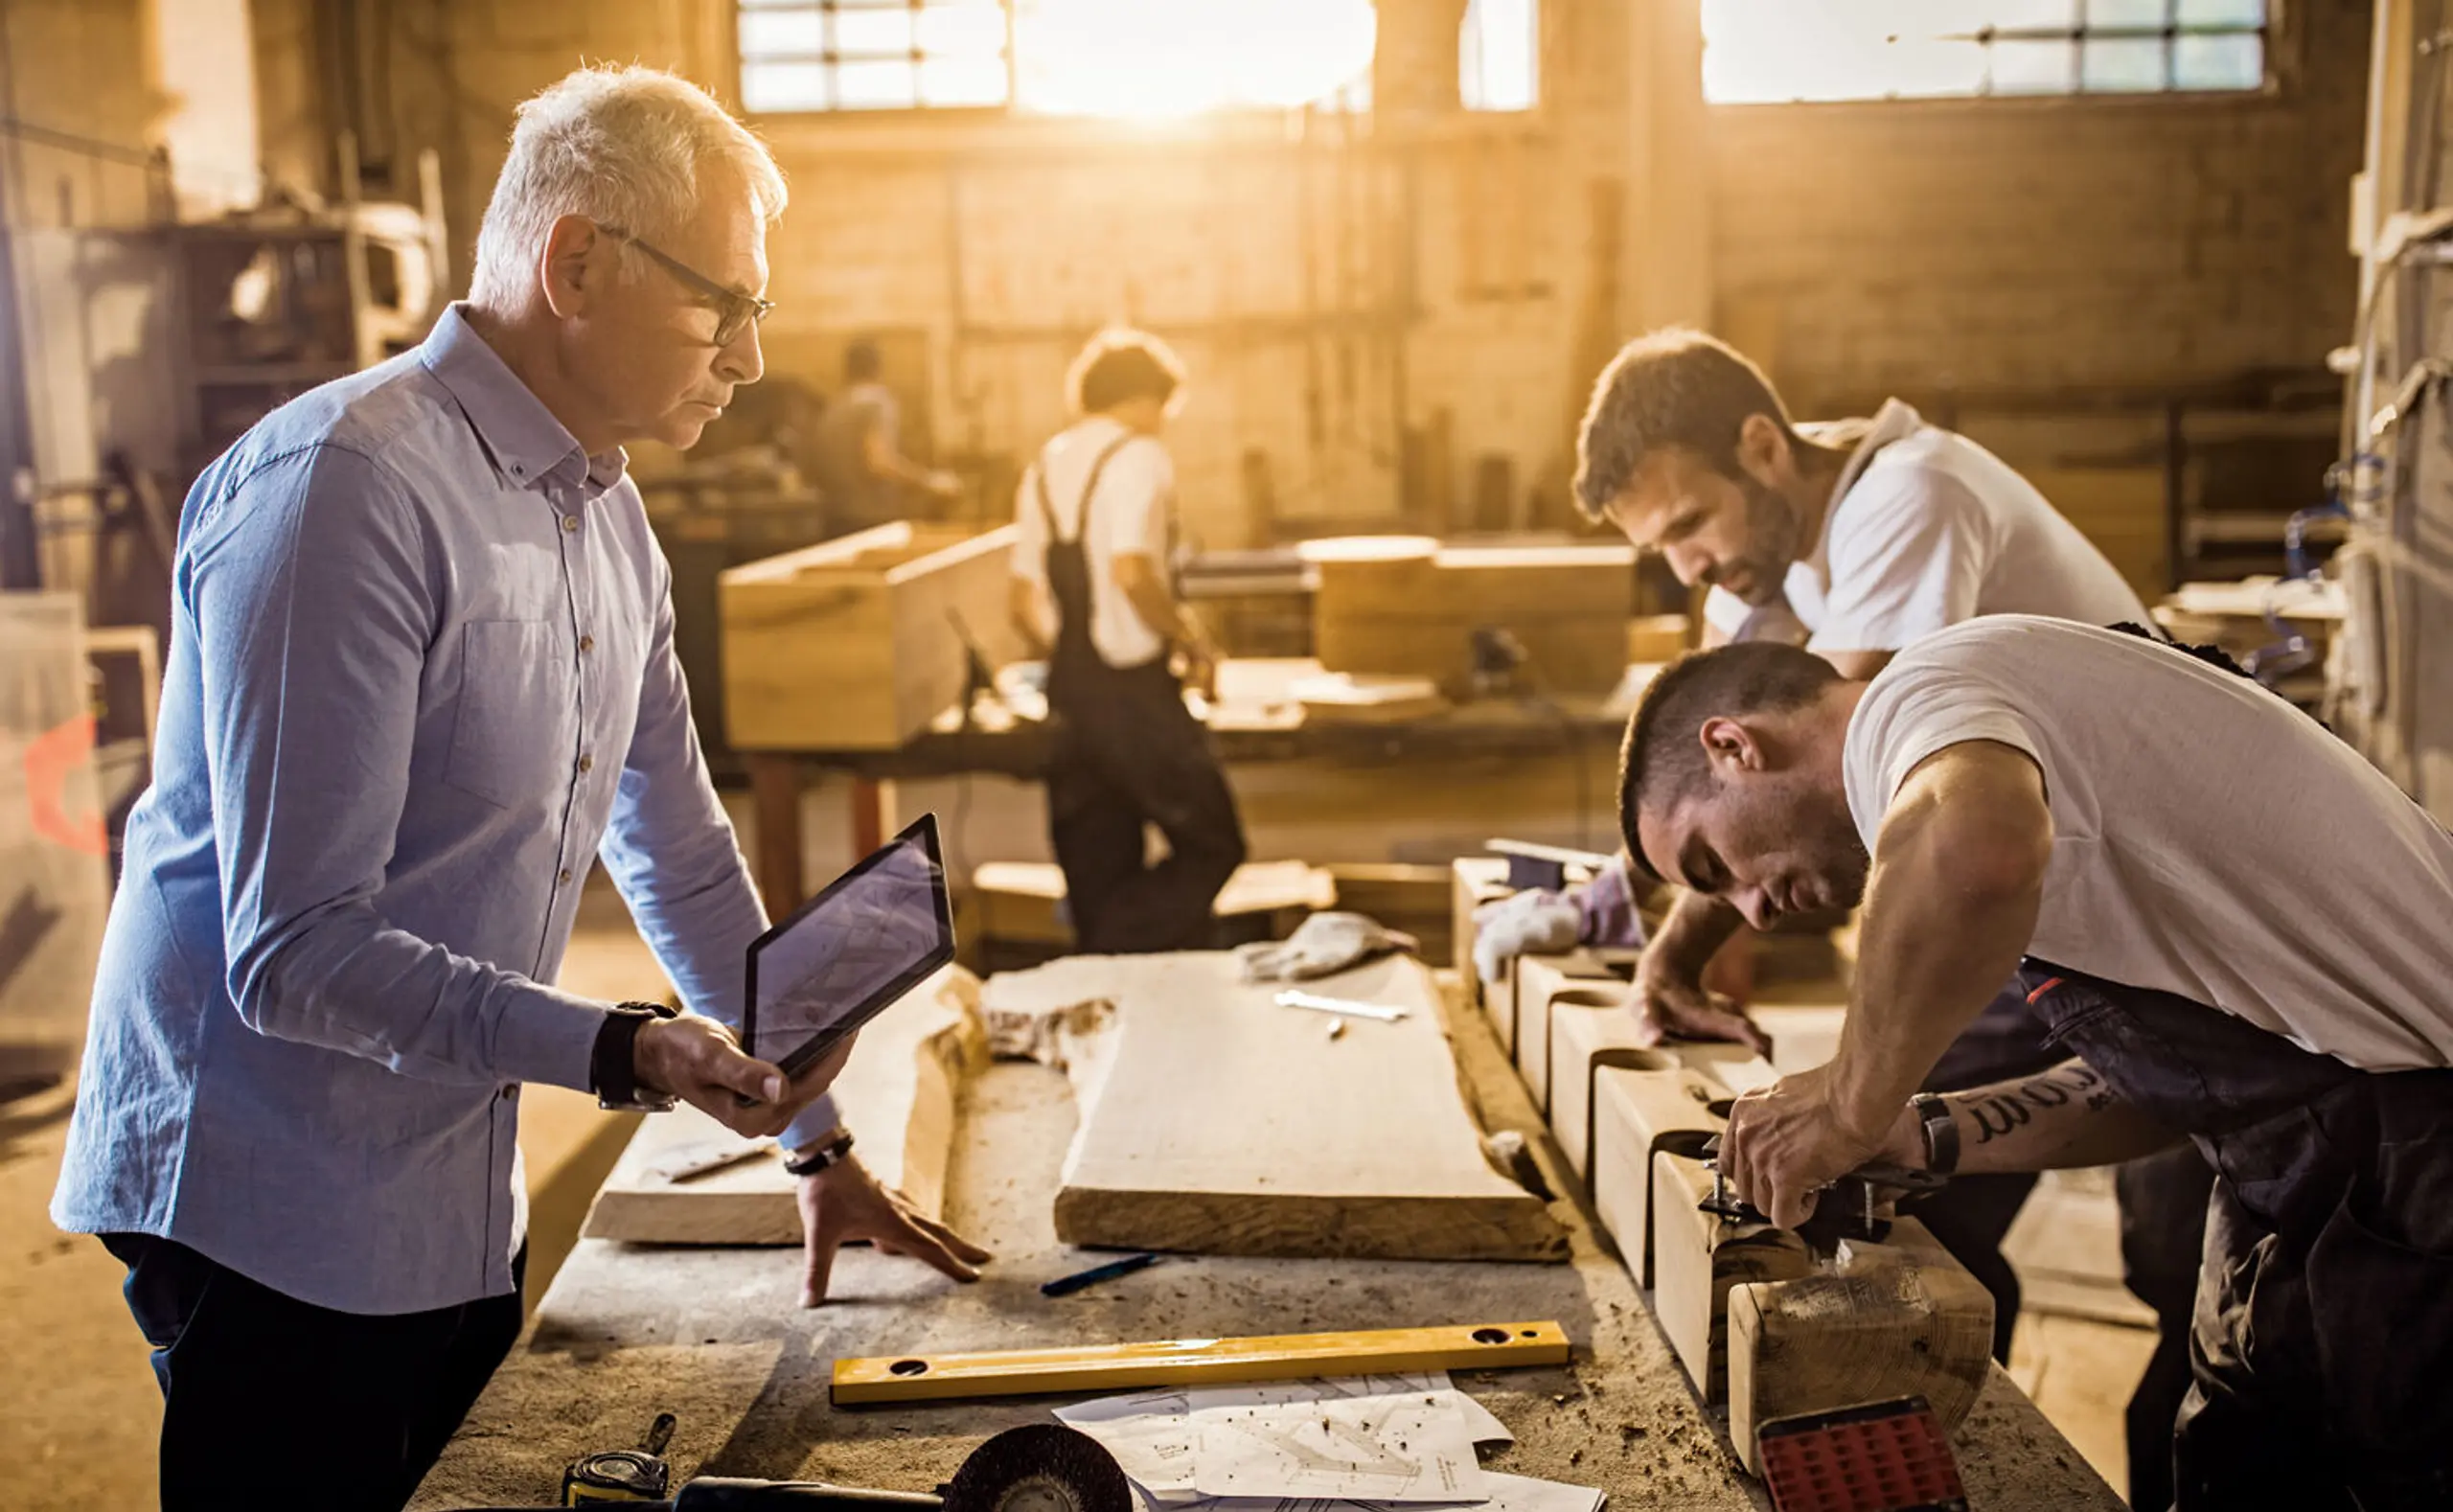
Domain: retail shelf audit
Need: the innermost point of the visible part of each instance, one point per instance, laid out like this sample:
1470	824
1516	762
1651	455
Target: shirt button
587	763
587	643
570	524
563	876
509	1092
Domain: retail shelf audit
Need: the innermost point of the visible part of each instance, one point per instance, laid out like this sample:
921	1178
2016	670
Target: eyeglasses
735	310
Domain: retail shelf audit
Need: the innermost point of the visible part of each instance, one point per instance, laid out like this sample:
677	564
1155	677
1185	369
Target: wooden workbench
1253	721
714	1337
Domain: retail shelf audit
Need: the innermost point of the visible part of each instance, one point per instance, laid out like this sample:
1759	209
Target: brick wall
1329	296
2047	244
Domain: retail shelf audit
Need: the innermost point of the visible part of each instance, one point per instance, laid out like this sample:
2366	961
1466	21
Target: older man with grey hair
421	672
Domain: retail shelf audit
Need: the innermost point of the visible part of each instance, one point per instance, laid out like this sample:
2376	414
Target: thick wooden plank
1545	984
1473	882
1901	1319
899	1097
1226	1124
1587	1035
1396	607
851	645
1638	1114
1697	1257
1198	1361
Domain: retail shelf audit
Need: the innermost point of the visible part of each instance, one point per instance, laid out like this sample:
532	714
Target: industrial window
1759	52
1107	57
1498	54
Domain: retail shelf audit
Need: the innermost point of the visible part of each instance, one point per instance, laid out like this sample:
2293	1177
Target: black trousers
1128	754
270	1403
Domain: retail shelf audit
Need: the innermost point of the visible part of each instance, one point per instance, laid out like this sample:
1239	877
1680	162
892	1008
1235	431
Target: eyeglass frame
736	312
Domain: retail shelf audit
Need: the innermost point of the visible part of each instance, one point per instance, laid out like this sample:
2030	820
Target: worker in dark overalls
2237	928
1093	594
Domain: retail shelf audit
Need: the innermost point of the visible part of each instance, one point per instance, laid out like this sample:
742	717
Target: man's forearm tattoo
1997	1114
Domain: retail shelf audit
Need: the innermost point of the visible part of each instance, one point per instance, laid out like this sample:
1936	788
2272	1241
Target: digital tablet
876	933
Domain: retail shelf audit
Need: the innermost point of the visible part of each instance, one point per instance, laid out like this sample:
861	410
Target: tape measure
623	1474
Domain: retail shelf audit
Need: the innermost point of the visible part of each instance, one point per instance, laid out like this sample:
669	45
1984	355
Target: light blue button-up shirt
421	672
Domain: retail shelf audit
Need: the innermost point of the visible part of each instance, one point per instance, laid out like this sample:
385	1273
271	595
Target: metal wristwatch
612	1065
1941	1132
828	1152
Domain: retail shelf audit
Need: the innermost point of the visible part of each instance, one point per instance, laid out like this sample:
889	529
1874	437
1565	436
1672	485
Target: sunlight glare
1161	58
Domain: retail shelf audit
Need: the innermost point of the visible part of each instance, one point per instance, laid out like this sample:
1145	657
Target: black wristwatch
612	1067
819	1157
1941	1132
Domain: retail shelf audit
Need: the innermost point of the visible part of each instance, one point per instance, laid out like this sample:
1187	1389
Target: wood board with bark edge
1215	1121
899	1095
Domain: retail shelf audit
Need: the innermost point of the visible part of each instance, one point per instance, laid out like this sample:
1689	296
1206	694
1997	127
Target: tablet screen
852	950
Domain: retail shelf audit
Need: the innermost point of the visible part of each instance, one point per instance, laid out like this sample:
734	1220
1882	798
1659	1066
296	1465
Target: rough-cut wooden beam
1636	1115
1587	1035
1697	1257
1544	985
1898	1318
899	1097
1474	880
1222	1123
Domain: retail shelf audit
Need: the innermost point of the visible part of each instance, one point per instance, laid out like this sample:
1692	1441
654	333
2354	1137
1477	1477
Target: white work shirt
1129	518
1926	529
2209	839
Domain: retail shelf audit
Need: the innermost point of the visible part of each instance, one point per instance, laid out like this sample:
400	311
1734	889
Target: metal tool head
1040	1467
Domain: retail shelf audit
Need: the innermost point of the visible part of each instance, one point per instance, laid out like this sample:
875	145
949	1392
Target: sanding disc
1042	1467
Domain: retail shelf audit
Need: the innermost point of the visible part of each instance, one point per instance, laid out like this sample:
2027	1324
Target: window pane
873	34
962	81
2222	12
1924	67
874	86
1497	54
2235	62
2150	15
782	87
2122	65
971	31
2024	15
775	4
2035	68
763	33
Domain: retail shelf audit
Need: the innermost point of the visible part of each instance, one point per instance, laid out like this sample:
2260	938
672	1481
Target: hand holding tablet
841	958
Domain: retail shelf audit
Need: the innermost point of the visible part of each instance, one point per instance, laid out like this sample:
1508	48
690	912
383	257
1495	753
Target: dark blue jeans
2324	1333
272	1403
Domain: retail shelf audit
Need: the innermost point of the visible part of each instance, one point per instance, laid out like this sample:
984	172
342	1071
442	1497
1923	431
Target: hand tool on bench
1041	1467
1885	1456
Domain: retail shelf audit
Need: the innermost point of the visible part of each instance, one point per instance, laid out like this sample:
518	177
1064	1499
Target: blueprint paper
1406	1439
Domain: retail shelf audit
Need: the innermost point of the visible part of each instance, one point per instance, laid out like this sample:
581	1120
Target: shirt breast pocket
512	736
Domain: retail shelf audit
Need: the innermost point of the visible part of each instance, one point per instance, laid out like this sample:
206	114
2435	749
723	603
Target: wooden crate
1396	607
849	645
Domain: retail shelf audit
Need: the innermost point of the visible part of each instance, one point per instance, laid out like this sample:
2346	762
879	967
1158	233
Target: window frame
2284	38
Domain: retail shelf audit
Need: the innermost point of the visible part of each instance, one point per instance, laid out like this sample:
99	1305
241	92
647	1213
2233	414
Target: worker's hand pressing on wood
1670	999
1785	1143
698	1060
845	1204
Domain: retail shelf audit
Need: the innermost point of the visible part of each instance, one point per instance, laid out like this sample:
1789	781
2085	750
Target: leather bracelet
613	1063
830	1154
1941	1132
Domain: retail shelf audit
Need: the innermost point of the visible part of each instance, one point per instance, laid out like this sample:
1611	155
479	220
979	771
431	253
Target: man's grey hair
622	147
1673	387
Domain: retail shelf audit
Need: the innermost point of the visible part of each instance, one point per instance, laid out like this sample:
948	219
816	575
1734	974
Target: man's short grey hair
620	145
1674	387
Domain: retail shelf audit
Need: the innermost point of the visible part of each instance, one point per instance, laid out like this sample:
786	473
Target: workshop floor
79	1431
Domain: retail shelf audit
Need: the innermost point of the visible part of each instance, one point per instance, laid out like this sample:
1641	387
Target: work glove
1321	945
1523	923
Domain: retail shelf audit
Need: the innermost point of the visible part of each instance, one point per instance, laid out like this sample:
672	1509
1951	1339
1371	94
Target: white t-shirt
1926	529
2209	839
1128	519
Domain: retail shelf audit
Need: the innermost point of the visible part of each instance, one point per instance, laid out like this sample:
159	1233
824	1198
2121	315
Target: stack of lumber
1757	1319
1406	606
853	644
